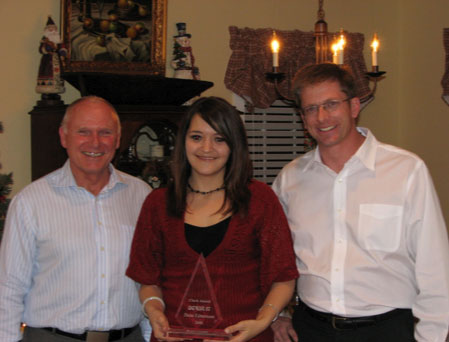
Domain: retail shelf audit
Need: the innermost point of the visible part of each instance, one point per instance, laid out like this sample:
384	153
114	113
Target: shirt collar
64	177
311	158
366	152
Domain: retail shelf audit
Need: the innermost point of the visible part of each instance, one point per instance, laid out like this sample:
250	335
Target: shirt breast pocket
380	226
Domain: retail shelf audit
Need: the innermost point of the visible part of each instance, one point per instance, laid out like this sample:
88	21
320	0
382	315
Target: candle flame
339	43
274	45
335	48
342	42
375	43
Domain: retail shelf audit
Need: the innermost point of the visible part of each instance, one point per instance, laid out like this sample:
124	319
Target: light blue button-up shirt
64	254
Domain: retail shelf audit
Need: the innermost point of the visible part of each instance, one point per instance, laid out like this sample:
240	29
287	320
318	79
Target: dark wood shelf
137	89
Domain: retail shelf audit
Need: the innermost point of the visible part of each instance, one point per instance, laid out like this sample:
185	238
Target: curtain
445	79
251	58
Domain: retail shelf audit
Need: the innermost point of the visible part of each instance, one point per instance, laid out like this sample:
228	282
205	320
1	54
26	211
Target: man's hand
283	330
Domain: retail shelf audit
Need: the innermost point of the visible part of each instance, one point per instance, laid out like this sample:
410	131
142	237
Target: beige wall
408	110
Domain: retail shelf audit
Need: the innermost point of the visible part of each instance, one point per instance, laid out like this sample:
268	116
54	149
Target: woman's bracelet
273	307
159	299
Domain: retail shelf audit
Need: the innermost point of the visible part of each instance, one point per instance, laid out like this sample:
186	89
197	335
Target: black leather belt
344	323
113	335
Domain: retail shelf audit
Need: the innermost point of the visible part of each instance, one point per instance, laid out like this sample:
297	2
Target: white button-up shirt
371	238
64	255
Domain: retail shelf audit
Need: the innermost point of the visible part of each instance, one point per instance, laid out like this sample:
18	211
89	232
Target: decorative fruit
122	3
88	23
104	25
139	27
101	40
113	16
131	32
143	11
113	26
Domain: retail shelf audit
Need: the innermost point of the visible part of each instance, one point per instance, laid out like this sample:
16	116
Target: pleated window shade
275	137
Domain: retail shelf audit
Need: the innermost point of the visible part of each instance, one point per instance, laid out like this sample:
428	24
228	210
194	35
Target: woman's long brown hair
226	121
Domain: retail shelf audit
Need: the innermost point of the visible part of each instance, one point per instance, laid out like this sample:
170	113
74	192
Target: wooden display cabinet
155	115
47	154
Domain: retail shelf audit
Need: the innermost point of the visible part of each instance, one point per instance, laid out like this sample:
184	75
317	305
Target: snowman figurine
183	61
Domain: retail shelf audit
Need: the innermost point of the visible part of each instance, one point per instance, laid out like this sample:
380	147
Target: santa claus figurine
49	79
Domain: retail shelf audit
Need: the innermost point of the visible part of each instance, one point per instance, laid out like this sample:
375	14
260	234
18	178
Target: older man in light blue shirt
67	237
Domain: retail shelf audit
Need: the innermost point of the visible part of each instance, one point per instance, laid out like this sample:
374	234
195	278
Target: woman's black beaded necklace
204	192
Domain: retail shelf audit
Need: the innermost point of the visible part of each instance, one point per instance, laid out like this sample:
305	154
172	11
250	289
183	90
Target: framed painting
114	36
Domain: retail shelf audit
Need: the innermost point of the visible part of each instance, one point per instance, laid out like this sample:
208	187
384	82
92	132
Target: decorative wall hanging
119	36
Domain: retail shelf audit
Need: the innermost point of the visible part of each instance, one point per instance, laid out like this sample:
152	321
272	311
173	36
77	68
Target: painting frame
154	63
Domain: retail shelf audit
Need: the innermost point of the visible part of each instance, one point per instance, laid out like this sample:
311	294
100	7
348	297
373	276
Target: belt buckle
335	320
97	336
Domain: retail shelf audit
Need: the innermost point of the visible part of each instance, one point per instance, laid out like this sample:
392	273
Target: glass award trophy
199	314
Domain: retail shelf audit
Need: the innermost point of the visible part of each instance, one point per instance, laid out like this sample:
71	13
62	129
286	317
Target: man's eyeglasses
329	106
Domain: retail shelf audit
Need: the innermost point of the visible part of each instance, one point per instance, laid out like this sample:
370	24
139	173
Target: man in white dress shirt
369	236
67	238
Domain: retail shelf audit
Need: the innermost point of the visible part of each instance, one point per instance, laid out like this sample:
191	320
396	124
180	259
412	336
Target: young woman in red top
213	207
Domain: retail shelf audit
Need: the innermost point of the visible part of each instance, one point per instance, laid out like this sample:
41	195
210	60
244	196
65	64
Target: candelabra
322	53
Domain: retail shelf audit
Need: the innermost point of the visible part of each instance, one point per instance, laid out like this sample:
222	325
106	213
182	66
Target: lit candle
341	47
275	50
335	49
375	46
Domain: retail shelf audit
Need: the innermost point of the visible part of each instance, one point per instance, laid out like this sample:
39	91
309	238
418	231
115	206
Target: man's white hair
91	99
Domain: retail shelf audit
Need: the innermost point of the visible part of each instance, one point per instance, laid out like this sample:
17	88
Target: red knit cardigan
255	252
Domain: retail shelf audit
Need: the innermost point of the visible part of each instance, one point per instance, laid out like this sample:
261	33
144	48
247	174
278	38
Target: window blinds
275	137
